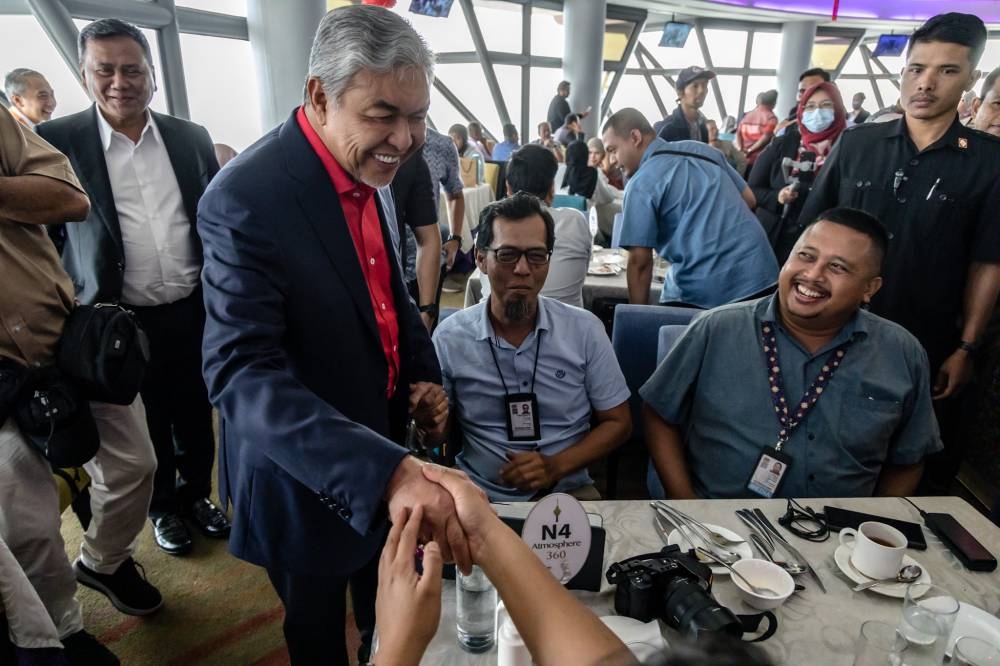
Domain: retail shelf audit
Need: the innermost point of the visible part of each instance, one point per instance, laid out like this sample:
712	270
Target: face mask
817	120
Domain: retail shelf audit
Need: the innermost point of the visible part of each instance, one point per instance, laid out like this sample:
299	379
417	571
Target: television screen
675	34
431	7
890	45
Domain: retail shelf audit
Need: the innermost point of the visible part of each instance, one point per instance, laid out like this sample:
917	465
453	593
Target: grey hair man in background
314	353
32	100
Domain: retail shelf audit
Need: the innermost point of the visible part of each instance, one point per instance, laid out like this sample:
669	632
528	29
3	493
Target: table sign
558	531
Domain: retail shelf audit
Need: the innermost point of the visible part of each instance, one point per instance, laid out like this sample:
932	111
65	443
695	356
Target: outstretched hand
474	512
408	604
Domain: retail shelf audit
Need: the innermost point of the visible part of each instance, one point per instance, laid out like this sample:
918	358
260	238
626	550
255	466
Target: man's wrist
429	309
455	238
970	347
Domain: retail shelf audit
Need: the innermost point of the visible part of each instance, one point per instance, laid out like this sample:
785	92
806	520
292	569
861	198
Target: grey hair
364	37
16	81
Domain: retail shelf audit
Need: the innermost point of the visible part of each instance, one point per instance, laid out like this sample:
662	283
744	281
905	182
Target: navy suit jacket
294	363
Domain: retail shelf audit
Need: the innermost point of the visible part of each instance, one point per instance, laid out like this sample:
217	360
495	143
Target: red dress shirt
358	203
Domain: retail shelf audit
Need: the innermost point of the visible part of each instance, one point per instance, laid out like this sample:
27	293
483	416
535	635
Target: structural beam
525	73
630	47
486	62
211	24
583	62
172	65
58	25
745	78
707	56
652	85
893	78
143	14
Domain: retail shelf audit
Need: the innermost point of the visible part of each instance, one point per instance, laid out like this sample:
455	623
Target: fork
768	552
715	537
688	530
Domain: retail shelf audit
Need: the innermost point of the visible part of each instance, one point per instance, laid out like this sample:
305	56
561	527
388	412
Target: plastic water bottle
511	650
476	608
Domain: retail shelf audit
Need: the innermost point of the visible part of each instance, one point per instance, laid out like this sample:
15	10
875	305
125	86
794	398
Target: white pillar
583	58
281	35
797	38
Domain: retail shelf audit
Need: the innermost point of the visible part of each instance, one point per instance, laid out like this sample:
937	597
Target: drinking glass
476	609
929	614
880	644
970	651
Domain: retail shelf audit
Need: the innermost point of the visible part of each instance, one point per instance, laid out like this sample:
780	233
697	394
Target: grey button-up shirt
876	409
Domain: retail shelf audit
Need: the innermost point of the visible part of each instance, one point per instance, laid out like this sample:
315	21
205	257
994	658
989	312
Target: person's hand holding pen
530	470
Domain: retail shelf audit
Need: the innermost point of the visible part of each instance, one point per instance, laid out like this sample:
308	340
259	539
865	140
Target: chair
668	335
634	337
496	176
570	201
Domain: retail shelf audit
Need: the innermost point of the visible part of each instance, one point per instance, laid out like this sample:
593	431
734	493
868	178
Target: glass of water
476	610
970	651
929	614
880	644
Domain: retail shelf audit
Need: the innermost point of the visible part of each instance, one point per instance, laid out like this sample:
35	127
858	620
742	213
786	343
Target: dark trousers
316	613
178	413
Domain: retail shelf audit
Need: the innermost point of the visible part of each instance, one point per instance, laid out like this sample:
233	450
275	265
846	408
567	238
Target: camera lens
691	611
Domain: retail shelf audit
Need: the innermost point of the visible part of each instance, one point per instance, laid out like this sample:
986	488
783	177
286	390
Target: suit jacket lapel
93	175
183	158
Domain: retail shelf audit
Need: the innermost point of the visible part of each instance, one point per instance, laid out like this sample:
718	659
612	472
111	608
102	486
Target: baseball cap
689	74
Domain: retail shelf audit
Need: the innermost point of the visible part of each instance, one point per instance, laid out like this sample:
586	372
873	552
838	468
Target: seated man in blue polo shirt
525	373
685	204
805	378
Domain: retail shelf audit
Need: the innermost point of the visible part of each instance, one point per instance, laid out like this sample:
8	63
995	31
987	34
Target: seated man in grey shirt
525	373
838	396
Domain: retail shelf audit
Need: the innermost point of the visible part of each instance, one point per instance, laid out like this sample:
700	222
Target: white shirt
570	258
161	259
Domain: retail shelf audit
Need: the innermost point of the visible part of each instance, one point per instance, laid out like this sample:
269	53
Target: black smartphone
958	540
838	519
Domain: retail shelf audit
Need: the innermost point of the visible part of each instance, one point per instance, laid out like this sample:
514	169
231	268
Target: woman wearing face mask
821	119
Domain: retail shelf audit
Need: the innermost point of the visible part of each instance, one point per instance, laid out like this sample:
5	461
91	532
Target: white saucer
675	538
842	556
972	621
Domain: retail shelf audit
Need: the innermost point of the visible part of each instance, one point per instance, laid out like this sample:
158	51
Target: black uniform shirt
941	207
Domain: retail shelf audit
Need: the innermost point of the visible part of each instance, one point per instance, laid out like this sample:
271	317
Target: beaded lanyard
812	394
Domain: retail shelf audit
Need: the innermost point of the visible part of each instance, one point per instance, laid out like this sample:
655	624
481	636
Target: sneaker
209	518
129	591
82	649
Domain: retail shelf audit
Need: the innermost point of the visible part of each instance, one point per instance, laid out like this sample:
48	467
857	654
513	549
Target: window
547	33
727	47
232	7
443	35
634	92
227	105
766	50
671	58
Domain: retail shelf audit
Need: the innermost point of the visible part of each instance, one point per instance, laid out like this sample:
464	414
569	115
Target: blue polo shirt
577	373
875	410
691	211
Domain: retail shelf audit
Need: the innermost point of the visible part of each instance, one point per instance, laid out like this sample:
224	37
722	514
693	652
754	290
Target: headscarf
580	177
821	142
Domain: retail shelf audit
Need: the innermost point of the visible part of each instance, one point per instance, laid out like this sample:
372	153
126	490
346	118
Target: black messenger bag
104	352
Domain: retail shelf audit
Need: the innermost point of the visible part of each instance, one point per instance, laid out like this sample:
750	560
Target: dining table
814	627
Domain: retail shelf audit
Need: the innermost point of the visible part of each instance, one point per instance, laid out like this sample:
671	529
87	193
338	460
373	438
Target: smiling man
31	97
935	184
986	108
315	356
839	396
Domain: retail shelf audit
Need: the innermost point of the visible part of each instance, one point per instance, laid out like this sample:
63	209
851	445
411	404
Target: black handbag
56	419
104	352
12	377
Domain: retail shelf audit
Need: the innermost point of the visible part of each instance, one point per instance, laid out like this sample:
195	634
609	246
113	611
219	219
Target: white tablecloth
476	198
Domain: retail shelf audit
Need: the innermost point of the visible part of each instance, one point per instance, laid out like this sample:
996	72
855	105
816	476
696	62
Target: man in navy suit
144	173
314	353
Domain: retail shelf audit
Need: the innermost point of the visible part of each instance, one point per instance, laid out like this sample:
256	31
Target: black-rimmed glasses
512	255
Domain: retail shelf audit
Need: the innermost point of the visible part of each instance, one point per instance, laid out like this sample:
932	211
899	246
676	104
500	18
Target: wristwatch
430	308
457	238
968	347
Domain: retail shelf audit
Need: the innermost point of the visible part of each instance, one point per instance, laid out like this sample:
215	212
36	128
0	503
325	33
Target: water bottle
476	607
511	650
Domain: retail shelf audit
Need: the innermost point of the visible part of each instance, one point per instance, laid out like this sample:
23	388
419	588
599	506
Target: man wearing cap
935	184
687	122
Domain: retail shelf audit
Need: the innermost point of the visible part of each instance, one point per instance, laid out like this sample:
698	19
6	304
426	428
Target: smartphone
837	519
958	540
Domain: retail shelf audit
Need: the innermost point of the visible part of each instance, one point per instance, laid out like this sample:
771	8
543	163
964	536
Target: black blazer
675	127
92	252
766	180
293	361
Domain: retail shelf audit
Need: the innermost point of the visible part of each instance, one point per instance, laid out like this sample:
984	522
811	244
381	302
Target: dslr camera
674	587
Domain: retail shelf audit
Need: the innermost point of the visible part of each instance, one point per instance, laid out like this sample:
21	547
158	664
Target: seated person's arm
560	631
534	471
639	274
666	448
899	480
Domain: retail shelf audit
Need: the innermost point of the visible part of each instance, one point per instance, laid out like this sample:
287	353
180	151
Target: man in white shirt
532	169
32	100
145	173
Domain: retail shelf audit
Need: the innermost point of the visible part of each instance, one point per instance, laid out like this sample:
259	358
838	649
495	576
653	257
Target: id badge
769	472
522	417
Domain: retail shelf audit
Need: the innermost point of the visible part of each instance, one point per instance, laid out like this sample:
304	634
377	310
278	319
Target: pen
933	187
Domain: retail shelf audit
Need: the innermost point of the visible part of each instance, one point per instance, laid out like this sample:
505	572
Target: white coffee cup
878	549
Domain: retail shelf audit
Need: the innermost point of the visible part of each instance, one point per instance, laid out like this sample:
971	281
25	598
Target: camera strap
751	625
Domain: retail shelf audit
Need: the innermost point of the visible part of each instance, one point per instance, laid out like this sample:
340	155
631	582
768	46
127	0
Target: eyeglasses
512	255
828	104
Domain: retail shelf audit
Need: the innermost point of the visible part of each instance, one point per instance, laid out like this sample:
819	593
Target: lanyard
789	422
538	344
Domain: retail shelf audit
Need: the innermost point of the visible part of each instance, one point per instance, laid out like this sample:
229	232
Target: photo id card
522	417
769	472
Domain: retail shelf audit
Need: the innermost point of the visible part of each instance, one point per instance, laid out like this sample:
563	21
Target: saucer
842	556
675	538
972	621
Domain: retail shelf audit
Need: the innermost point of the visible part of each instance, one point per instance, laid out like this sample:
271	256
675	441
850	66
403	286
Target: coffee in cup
878	549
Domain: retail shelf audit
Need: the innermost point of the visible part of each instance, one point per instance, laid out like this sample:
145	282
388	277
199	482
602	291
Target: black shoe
130	593
210	519
83	649
172	535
